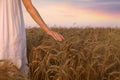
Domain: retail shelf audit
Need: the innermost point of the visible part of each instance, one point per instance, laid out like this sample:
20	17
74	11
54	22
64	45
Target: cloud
76	11
107	6
106	0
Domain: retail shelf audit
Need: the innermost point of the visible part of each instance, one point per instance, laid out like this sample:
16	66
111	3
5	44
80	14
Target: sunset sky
94	13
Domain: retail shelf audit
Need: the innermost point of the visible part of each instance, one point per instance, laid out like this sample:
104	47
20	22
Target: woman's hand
55	35
36	16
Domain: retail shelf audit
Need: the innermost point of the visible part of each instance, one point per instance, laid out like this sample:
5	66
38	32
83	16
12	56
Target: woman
12	31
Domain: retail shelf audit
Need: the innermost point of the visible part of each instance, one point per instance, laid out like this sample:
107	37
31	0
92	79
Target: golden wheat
86	54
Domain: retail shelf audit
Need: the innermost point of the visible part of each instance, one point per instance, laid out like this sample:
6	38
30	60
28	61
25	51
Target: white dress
12	33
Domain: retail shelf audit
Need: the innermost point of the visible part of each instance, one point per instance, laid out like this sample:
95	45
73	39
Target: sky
76	13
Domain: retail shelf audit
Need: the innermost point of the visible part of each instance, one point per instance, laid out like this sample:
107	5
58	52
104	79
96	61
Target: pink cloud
65	14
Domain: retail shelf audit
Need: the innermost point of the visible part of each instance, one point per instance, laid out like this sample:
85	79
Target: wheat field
85	54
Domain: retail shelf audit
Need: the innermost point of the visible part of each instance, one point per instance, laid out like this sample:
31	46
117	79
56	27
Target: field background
85	54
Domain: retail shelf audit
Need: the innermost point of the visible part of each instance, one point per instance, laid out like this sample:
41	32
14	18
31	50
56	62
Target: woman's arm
37	18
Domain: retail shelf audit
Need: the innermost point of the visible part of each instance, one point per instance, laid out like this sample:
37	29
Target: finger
54	35
58	36
61	36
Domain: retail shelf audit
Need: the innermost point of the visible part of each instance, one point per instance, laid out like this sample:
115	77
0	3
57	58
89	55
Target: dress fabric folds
12	33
